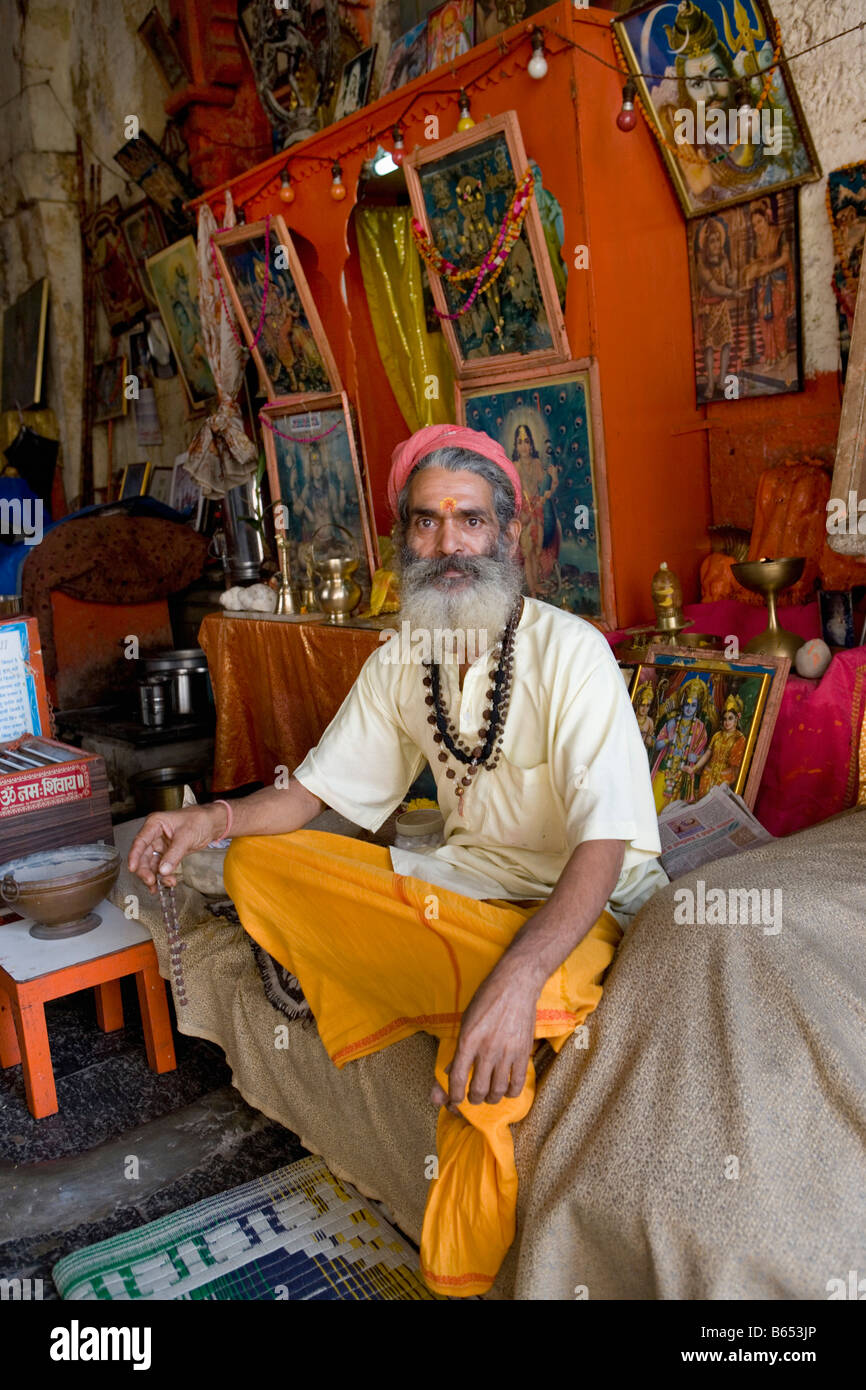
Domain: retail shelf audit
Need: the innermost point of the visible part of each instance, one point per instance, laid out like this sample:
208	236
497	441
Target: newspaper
718	825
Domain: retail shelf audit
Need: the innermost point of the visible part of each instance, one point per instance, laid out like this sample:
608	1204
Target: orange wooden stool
32	972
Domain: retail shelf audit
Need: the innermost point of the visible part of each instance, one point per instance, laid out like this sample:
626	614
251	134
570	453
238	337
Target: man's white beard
479	608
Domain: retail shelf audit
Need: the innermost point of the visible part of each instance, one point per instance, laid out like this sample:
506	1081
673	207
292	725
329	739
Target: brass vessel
771	578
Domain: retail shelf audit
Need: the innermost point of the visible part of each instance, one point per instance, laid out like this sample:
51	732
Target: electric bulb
338	192
627	118
537	63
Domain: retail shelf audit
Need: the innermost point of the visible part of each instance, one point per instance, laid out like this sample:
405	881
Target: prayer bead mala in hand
487	751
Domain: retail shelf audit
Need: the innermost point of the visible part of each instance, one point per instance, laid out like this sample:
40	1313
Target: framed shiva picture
478	229
275	309
174	278
706	721
713	82
744	264
549	424
314	471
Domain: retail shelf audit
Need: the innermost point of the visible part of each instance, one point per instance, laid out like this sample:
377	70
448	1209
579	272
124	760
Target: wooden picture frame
684	50
353	88
758	681
159	178
492	156
144	234
407	59
848	488
173	276
307	442
134	480
287	341
114	268
157	39
109	379
566	519
24	329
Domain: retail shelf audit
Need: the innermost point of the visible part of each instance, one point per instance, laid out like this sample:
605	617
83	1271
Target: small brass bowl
58	888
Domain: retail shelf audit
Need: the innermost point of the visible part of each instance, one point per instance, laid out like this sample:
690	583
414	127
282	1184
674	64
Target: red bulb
397	156
627	119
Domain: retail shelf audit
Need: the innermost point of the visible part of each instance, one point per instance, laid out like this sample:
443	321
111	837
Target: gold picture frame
283	331
134	480
173	276
473	175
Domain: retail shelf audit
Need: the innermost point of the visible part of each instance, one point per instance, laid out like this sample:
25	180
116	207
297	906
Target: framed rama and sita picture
314	471
280	322
706	721
549	424
712	78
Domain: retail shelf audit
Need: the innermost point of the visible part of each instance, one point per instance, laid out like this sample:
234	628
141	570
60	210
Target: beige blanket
708	1143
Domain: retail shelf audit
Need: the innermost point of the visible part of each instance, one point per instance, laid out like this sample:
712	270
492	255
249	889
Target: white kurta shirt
573	765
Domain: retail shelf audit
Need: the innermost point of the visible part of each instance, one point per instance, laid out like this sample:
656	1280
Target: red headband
423	442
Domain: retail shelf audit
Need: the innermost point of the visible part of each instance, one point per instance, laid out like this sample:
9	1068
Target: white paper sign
17	705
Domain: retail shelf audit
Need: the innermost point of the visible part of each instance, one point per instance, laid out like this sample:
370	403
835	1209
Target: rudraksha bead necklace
486	752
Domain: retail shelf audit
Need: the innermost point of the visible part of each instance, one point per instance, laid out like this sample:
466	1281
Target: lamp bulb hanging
466	122
538	63
627	118
398	144
287	193
338	191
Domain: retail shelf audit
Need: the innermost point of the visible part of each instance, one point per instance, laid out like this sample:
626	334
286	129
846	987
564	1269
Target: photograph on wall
109	378
159	178
355	83
24	327
705	722
846	204
744	265
276	311
494	16
462	190
709	65
157	39
313	470
174	277
407	59
450	32
114	267
549	426
144	235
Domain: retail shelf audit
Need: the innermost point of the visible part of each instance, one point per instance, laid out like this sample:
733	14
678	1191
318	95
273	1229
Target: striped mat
297	1233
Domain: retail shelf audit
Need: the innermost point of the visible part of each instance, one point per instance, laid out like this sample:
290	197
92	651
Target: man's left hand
495	1042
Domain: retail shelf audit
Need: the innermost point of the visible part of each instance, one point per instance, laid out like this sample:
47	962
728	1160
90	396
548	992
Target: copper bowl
58	888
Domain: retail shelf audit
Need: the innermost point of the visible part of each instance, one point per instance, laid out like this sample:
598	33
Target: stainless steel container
187	673
244	543
154	695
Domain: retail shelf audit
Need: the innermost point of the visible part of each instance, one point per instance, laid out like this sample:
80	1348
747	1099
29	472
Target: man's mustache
427	571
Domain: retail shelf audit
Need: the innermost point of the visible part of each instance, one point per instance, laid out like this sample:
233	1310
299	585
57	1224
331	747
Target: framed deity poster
450	32
744	264
275	309
159	178
314	471
407	59
706	721
114	268
144	235
549	424
174	277
846	205
109	380
701	69
462	190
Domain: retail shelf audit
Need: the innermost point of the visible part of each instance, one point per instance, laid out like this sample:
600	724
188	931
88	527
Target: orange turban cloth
431	437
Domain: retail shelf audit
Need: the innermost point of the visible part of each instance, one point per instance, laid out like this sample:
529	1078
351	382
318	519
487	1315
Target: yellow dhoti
380	957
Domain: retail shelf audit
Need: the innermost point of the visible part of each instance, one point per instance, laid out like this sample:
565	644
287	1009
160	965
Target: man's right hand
167	836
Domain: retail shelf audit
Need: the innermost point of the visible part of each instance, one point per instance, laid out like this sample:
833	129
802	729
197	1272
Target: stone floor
127	1146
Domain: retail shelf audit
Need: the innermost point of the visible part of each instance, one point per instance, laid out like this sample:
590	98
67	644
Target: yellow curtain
418	364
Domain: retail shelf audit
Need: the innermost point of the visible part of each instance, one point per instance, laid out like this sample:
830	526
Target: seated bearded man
502	935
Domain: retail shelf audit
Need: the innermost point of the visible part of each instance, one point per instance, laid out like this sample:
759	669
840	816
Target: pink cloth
424	441
812	768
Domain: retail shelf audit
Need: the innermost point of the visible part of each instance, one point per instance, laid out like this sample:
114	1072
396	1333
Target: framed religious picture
114	268
493	16
144	235
468	191
159	178
549	424
108	383
407	59
450	32
706	721
354	88
134	481
174	277
846	520
275	309
24	328
744	264
157	39
701	68
314	471
846	205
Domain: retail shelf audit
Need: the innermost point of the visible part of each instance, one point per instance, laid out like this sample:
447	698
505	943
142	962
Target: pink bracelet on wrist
229	817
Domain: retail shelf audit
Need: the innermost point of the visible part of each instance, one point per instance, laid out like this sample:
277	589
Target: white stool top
25	957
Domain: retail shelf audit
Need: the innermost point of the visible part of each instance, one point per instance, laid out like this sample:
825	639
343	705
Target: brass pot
161	789
58	888
338	594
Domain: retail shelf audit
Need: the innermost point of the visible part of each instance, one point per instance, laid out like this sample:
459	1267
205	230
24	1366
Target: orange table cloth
277	686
